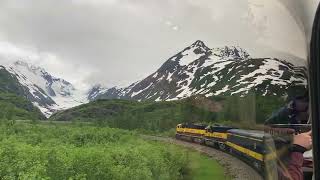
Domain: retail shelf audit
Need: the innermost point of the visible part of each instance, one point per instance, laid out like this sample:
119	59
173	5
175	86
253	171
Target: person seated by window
293	168
290	161
295	112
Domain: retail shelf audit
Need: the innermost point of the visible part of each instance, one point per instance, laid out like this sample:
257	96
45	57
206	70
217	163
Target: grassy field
204	168
85	151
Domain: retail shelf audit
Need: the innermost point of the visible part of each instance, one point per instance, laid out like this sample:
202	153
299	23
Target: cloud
9	52
53	64
95	2
176	28
116	42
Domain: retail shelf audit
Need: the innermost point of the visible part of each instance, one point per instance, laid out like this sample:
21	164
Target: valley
56	130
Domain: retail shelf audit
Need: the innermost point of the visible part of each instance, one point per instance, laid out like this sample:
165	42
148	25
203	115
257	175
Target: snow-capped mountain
96	90
45	91
199	70
196	70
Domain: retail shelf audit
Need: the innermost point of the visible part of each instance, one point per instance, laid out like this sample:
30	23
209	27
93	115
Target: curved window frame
314	82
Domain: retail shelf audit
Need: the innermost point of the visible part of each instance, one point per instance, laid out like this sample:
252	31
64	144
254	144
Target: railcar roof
250	133
219	128
194	125
222	127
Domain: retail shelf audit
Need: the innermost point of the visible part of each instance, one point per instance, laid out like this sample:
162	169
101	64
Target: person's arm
293	171
301	143
295	165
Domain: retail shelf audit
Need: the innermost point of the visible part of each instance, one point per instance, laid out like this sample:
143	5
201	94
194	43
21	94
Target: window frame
314	89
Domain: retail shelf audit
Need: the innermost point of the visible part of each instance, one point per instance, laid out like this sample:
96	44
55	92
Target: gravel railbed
234	167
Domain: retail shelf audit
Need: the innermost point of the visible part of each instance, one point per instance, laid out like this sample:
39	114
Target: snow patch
169	78
186	91
189	56
155	75
225	89
212	59
140	91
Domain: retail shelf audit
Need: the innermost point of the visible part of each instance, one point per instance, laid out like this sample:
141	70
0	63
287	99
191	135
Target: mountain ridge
45	91
198	69
195	70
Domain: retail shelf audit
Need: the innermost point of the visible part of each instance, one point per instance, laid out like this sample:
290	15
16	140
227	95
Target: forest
163	116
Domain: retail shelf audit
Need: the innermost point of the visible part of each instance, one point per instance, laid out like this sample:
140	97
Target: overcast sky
117	42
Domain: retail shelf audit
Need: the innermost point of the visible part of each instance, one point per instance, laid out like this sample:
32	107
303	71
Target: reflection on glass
262	92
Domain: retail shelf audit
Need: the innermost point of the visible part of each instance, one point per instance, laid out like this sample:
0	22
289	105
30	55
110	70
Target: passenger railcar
252	146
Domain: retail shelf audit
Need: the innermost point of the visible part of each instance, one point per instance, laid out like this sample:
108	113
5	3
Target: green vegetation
9	83
205	168
69	151
153	116
14	107
250	109
163	116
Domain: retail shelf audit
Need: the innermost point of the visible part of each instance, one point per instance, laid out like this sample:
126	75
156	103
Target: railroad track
237	169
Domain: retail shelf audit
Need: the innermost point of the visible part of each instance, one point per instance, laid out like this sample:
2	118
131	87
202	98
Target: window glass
227	77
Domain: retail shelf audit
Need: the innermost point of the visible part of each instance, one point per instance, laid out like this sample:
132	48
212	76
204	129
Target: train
255	147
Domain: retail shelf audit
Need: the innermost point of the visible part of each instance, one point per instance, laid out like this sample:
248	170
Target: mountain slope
10	84
13	101
45	91
17	107
219	71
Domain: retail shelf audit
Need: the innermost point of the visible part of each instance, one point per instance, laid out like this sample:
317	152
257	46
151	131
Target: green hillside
13	102
10	84
136	115
15	107
160	116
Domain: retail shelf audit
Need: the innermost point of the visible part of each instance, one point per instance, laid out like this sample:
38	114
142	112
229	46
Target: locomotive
257	148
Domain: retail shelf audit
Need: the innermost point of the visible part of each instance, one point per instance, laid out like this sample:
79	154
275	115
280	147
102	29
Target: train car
216	136
258	148
191	132
254	147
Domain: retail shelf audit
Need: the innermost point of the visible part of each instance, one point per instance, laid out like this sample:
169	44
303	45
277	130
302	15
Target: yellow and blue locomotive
191	132
254	147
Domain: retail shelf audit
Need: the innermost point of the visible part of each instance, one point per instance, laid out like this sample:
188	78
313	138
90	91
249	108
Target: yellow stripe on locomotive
195	131
253	144
191	131
216	135
246	151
